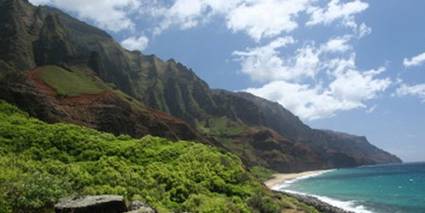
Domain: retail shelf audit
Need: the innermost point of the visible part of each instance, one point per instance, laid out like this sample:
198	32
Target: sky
355	66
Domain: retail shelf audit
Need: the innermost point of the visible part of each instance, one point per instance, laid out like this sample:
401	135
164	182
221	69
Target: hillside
41	163
260	132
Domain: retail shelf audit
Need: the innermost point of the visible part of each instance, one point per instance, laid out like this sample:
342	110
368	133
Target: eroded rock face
92	204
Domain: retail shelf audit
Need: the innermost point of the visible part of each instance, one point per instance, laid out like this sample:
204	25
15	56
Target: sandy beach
280	178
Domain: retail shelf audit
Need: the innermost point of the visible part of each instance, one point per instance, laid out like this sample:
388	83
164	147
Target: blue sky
354	66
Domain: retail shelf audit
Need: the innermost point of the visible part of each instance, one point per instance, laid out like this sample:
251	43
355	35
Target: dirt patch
33	75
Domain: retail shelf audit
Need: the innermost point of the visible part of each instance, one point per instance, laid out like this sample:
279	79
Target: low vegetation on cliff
67	83
41	163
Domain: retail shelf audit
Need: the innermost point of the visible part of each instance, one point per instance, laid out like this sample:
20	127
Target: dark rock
92	204
318	204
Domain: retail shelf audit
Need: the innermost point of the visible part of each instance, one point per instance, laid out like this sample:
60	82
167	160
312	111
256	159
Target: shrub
41	163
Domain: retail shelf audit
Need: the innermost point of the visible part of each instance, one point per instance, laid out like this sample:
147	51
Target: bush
41	163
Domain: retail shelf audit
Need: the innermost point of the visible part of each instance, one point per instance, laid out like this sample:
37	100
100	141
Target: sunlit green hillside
41	163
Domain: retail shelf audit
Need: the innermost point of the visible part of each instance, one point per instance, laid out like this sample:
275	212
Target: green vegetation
41	163
220	126
70	83
262	173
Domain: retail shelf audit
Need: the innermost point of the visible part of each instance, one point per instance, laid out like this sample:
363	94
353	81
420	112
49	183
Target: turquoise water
382	189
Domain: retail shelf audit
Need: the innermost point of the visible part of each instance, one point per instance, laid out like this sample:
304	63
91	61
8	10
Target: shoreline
278	180
315	202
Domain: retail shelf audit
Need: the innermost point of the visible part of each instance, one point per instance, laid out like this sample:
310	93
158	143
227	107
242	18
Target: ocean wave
352	206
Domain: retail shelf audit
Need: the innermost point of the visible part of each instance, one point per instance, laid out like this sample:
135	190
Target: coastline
315	202
278	180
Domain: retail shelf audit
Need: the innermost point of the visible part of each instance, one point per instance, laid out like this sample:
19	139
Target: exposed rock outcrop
101	204
318	204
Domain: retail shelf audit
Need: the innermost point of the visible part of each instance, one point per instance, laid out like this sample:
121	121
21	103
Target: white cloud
266	18
337	10
417	90
355	86
186	14
265	64
257	18
339	44
135	43
317	82
349	90
183	13
414	61
113	15
302	99
340	11
371	109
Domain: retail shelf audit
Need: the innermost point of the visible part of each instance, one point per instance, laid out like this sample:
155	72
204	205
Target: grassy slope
41	163
220	126
77	82
70	83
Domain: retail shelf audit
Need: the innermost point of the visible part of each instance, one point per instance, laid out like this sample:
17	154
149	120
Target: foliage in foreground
41	163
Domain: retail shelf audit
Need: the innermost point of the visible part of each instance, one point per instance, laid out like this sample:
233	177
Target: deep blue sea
398	188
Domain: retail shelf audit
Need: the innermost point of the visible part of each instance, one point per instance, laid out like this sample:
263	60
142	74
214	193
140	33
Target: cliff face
108	110
33	37
335	148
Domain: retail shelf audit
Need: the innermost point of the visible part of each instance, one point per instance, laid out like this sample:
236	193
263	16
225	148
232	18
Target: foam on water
379	189
352	206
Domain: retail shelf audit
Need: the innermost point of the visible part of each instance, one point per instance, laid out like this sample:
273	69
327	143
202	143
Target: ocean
396	188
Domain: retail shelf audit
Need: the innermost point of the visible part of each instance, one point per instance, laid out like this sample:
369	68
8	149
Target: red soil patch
84	99
33	75
75	109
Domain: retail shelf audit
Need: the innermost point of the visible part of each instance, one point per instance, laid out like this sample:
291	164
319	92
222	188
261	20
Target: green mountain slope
67	83
41	163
